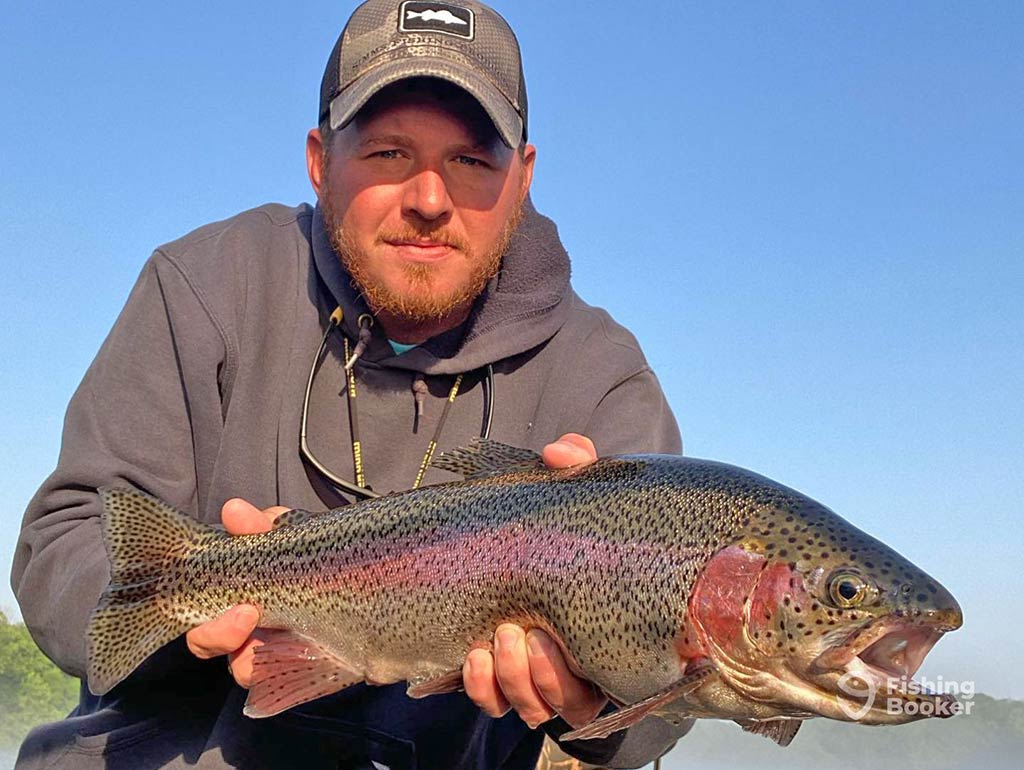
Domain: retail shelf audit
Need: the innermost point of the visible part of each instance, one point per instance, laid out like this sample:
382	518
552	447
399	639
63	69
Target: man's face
420	198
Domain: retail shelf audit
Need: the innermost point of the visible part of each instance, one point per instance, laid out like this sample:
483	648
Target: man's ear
528	158
315	159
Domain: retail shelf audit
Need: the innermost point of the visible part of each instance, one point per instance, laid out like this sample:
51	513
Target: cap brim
504	116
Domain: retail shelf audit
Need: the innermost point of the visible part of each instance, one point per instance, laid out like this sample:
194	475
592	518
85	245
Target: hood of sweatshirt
525	304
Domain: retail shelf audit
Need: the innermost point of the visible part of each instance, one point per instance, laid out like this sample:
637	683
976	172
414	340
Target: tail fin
144	538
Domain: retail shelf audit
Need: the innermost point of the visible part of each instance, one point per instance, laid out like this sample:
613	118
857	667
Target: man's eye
469	160
387	154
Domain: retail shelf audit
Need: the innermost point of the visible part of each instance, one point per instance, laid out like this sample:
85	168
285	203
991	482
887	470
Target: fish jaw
869	677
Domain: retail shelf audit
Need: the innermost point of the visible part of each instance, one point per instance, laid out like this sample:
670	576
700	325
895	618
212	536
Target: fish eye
847	590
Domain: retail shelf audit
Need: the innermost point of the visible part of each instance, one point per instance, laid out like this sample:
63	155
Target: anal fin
450	681
630	715
289	669
782	731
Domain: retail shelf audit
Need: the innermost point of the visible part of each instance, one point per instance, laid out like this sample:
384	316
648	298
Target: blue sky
810	213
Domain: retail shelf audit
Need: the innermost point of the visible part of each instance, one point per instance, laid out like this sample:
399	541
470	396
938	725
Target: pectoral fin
289	669
630	715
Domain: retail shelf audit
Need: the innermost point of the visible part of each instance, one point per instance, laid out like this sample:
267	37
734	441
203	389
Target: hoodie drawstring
365	325
419	394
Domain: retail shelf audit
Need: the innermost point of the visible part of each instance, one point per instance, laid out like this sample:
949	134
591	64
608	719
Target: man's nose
426	196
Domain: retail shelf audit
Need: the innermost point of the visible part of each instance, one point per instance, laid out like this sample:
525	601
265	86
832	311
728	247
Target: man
299	357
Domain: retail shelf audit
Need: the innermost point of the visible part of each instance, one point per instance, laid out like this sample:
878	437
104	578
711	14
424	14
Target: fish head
804	615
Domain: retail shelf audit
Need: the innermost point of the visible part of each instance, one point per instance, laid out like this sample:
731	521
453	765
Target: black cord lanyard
360	488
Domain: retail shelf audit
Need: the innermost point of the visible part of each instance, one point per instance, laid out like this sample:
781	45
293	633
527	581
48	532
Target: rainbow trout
681	587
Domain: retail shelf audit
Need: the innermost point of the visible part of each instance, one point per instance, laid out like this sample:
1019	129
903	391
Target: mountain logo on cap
436	17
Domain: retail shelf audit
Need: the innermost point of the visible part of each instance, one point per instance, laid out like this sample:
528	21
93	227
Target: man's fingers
240	661
243	518
573	698
512	668
224	634
481	684
570	450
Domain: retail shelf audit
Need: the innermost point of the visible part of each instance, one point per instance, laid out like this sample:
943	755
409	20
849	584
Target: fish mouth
900	653
876	674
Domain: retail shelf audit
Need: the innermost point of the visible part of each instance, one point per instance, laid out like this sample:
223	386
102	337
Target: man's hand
527	671
232	633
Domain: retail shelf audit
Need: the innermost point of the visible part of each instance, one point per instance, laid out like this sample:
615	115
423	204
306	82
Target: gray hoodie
196	397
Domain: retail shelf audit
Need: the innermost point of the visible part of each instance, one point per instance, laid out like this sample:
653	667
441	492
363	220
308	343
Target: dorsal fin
295	517
483	458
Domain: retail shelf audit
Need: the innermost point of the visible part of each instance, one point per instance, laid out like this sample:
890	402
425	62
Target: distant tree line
32	689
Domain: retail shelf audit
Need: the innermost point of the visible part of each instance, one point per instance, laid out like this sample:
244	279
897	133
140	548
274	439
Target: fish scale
665	580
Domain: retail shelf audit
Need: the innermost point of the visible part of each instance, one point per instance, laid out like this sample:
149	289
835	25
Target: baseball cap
466	43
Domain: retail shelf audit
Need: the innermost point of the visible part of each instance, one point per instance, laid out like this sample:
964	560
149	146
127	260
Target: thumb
241	517
570	450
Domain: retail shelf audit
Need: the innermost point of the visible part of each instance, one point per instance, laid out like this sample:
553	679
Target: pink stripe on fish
509	551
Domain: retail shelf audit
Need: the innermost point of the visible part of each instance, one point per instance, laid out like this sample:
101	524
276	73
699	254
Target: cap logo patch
436	17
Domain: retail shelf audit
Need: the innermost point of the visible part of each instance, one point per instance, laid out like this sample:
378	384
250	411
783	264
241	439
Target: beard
418	300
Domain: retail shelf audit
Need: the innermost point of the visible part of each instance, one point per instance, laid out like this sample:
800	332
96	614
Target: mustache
441	236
